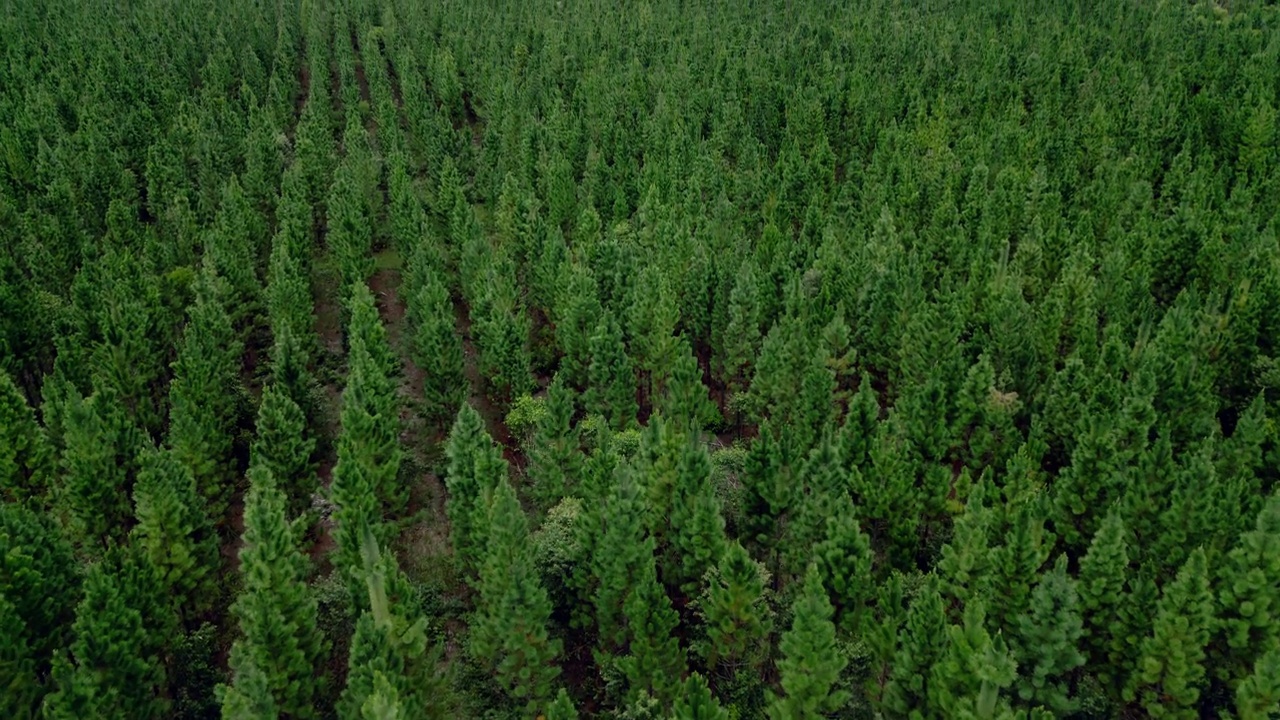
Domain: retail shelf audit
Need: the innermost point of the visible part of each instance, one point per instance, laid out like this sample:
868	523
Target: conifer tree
390	642
562	708
699	537
686	402
249	697
1047	639
174	532
280	645
99	462
611	390
1258	697
578	314
469	482
1103	573
844	559
811	664
290	375
1249	596
973	669
921	643
284	447
205	396
742	336
1171	668
22	689
655	661
695	702
737	620
436	347
859	429
510	629
618	558
113	669
370	439
555	462
25	453
39	588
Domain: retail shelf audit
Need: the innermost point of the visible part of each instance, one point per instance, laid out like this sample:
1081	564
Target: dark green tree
39	589
206	397
99	464
695	702
811	663
655	661
436	347
26	456
611	390
1046	641
390	642
1249	597
845	560
1171	671
175	534
280	645
113	667
618	558
469	481
555	459
737	619
510	631
285	447
699	537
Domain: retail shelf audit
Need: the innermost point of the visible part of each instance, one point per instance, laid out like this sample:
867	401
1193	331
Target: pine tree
967	679
39	588
655	660
844	559
737	620
510	629
618	558
555	462
1258	697
699	537
1171	669
276	610
25	454
174	533
390	642
1047	641
921	643
99	463
468	480
370	439
578	314
112	669
205	396
562	708
1249	596
611	390
811	664
249	697
1103	573
436	346
858	432
285	447
695	702
686	403
742	336
22	689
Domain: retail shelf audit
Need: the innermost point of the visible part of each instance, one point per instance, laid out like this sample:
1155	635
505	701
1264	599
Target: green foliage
1171	668
474	470
611	390
510	631
736	616
25	454
284	447
811	663
174	533
273	662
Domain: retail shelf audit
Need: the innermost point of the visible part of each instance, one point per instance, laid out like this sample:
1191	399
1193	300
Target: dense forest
706	360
